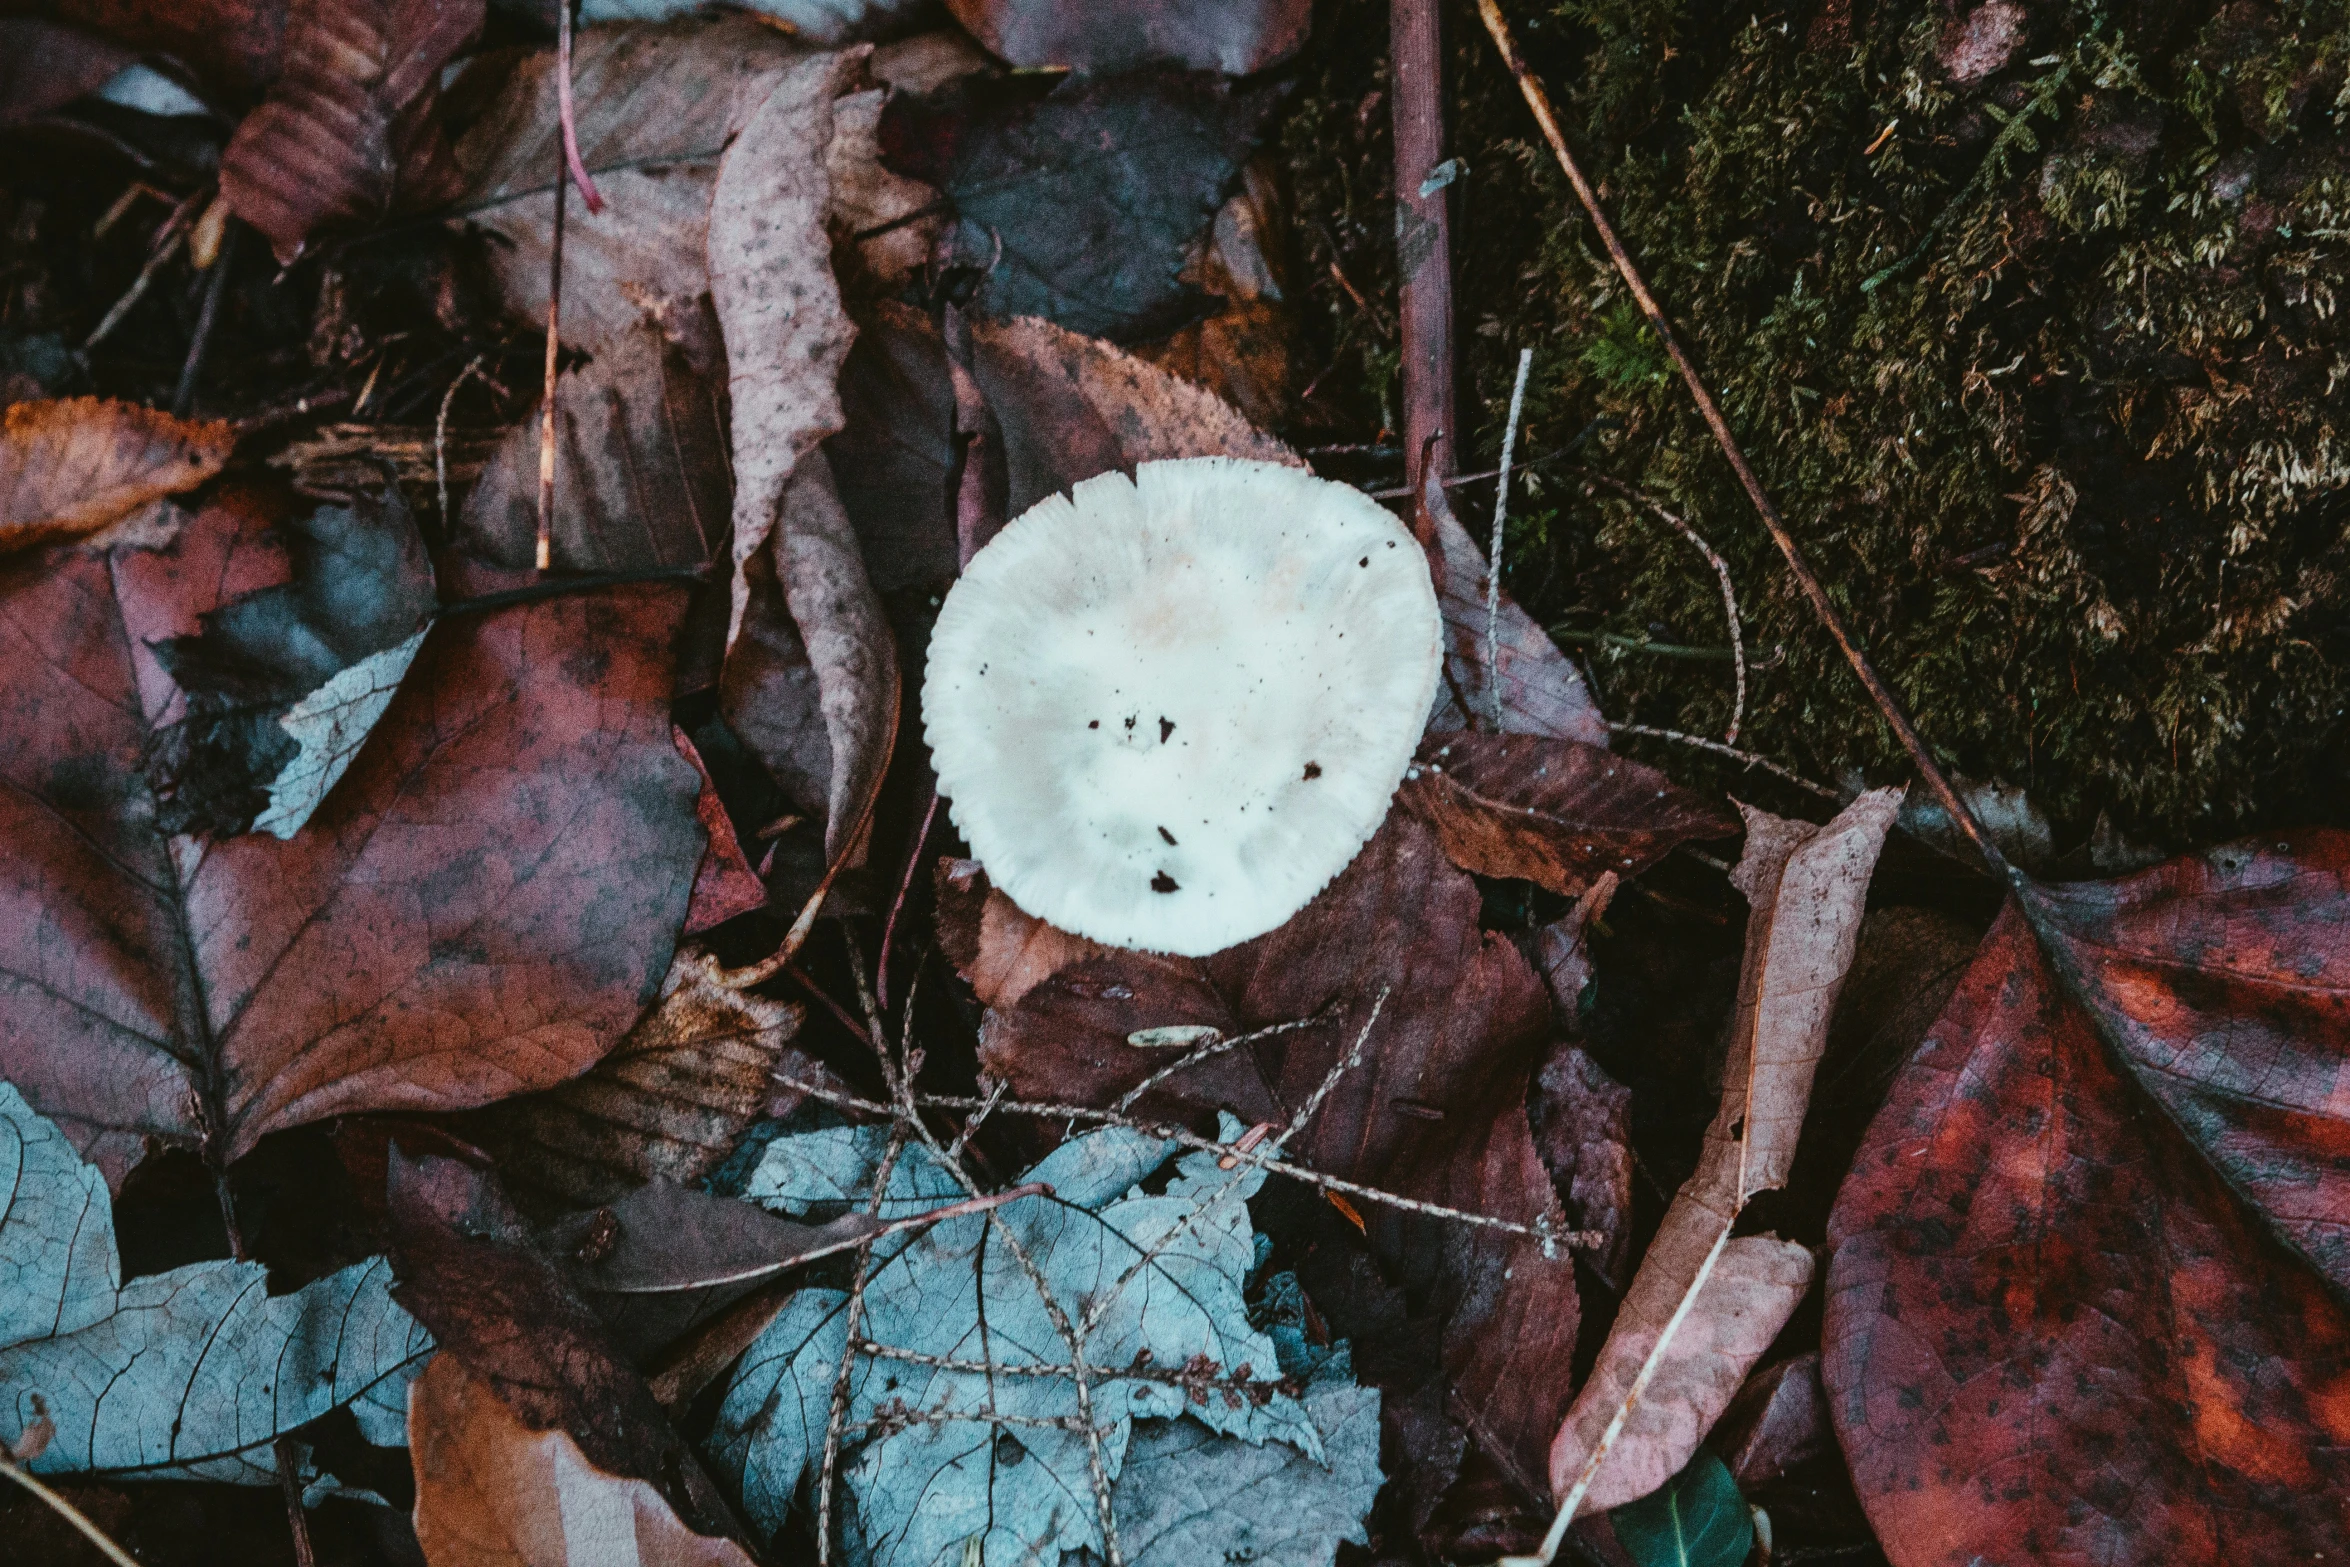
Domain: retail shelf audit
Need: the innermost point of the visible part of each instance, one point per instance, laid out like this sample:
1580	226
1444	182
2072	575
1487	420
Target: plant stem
1423	245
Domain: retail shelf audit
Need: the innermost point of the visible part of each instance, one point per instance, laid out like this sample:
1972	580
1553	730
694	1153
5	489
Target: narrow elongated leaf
190	1374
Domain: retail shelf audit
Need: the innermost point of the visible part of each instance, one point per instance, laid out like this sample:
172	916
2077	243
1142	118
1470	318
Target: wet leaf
1558	813
669	1103
2107	1190
492	1492
483	905
1202	35
189	1374
349	134
69	468
284	683
1080	204
923	1485
1696	1519
469	1270
1806	886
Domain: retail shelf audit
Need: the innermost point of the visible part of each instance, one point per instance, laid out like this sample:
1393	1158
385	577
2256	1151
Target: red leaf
1556	812
2085	1303
482	906
347	135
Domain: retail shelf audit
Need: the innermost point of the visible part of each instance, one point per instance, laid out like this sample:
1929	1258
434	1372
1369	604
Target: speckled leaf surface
2086	1300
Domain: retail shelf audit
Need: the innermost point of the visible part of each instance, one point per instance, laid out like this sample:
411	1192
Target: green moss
2048	371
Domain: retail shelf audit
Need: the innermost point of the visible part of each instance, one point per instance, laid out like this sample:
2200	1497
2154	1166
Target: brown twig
440	429
1730	751
70	1513
1721	573
183	399
1423	244
1887	703
165	245
567	168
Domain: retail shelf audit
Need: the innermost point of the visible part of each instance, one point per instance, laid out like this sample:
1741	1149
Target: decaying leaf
640	461
770	269
1806	886
1245	349
492	1492
1001	949
1582	1121
348	135
1217	35
1435	1110
668	1103
1542	692
69	468
1079	204
1778	1421
45	65
1559	813
284	683
189	1374
656	107
2107	1191
1157	1279
483	905
470	1271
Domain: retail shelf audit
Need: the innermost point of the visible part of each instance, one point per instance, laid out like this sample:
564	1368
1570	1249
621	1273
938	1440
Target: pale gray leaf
190	1374
328	727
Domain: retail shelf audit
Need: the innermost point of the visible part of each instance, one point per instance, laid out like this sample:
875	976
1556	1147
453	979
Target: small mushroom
1167	710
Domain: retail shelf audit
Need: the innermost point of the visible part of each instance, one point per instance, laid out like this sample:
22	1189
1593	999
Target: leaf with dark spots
348	135
1558	813
2108	1190
283	683
216	992
469	1271
1435	1110
71	467
1079	204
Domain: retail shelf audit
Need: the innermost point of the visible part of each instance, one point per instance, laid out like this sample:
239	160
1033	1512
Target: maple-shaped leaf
2086	1301
190	1374
1151	1281
483	905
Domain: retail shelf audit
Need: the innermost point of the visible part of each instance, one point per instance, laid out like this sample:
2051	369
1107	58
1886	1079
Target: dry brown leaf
1542	693
1243	351
668	1103
1000	948
656	105
490	1492
68	468
349	134
770	265
1807	886
870	199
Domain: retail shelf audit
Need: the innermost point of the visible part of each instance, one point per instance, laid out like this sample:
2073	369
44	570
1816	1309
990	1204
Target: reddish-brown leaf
69	468
45	65
469	1272
2086	1300
482	906
347	136
1235	37
492	1492
1778	1421
1436	1109
1555	812
236	44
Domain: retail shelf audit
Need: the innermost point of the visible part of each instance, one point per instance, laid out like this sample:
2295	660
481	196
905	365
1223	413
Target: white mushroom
1168	710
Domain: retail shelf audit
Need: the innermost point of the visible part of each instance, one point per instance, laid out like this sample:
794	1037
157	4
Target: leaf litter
1347	1239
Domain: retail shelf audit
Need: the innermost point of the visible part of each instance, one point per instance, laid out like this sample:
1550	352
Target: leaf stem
70	1513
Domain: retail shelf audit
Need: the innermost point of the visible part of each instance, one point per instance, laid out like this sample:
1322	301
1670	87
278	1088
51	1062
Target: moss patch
2031	317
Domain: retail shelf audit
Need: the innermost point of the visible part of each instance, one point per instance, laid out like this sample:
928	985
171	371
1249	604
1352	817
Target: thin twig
1730	751
183	399
566	117
1721	573
1615	1426
1573	1240
566	155
1178	1376
889	927
838	1418
1887	703
70	1513
1208	1051
440	430
1501	512
165	245
289	1486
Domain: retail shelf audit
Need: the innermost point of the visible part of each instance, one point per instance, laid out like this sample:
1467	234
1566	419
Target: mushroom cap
1167	710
